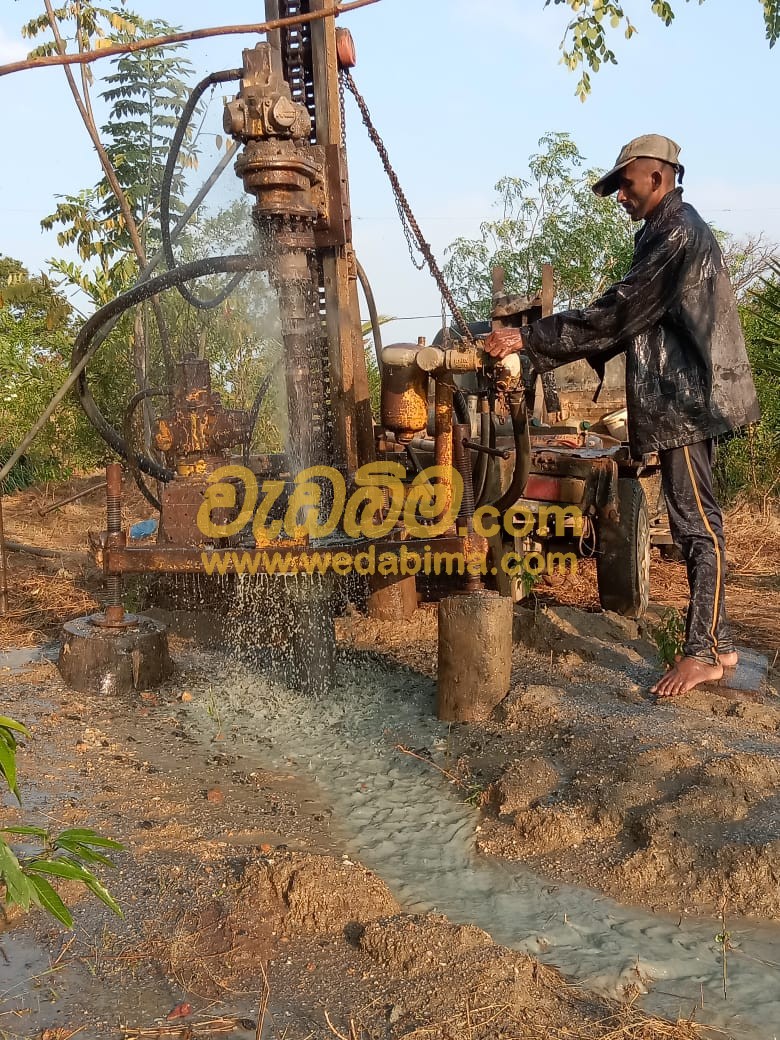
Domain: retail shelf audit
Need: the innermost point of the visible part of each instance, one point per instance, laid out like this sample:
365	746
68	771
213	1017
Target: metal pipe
72	498
496	453
461	456
443	439
114	609
481	471
48	554
462	460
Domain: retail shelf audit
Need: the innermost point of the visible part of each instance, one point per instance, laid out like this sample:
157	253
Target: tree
146	93
552	217
751	459
113	224
36	334
595	21
748	260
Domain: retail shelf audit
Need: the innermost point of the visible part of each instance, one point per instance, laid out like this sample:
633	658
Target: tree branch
89	123
183	37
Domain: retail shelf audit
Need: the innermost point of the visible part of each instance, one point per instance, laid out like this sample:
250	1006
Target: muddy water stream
406	823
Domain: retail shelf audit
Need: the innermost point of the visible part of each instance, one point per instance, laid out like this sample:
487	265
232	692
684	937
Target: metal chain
414	235
343	109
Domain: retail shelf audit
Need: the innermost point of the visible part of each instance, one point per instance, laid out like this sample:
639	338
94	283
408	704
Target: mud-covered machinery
435	447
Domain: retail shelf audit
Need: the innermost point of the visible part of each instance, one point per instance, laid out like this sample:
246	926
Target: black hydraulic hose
127	433
254	413
103	334
522	438
165	195
373	314
461	407
93	327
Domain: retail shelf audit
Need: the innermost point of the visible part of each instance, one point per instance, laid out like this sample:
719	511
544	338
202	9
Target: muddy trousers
696	524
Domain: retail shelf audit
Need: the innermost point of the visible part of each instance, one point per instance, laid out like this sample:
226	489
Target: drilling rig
453	432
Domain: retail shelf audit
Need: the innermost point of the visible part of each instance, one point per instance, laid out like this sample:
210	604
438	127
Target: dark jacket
674	314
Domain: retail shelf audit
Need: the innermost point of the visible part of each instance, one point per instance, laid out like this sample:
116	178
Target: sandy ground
237	891
240	903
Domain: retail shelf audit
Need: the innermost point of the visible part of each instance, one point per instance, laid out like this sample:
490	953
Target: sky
461	93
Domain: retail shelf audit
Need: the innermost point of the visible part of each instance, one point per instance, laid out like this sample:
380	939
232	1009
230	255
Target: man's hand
503	342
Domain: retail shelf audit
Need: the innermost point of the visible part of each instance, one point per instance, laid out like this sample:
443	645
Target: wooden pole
475	655
86	57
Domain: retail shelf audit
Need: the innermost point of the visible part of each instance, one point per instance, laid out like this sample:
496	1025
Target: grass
493	1021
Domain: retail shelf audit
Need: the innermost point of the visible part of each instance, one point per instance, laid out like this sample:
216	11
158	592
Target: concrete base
475	655
93	659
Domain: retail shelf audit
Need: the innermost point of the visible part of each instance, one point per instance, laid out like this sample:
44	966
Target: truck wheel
623	559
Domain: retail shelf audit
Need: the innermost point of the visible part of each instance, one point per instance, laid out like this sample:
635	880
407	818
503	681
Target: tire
623	560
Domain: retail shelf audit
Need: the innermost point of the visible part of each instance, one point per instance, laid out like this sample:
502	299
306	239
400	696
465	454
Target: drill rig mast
287	118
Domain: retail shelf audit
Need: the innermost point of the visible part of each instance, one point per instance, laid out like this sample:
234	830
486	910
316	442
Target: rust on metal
114	617
598	472
198	433
345	49
404	394
114	533
114	479
443	438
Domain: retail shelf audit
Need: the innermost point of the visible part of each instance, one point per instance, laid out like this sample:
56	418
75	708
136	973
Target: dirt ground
241	904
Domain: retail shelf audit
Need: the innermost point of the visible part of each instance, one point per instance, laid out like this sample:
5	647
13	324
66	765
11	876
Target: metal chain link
343	108
414	235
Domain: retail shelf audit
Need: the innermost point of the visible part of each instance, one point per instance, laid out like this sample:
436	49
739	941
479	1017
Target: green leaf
103	894
6	723
82	852
35	832
86	836
17	886
75	872
60	868
46	897
8	763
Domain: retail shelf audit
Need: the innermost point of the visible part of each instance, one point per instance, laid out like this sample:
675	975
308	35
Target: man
688	378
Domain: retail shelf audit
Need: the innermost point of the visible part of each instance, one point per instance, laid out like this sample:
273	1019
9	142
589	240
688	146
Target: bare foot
687	673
